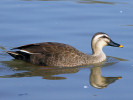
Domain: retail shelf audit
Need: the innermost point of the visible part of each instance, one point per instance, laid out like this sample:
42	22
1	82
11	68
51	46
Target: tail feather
15	55
19	55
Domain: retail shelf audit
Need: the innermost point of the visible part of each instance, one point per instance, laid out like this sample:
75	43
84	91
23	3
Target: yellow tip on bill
119	77
121	46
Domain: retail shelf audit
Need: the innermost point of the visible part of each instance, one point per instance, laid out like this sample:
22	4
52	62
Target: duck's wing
26	46
30	48
41	49
46	47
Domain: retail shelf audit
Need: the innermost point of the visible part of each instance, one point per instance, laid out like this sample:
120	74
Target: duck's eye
104	37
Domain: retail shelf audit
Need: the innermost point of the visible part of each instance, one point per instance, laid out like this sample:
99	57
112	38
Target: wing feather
47	47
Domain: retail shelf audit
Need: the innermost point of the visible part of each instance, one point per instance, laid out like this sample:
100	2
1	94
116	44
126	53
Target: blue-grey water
72	22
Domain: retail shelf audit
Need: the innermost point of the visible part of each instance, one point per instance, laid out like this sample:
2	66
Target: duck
63	55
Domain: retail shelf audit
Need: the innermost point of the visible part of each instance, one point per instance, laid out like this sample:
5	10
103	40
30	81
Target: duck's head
101	39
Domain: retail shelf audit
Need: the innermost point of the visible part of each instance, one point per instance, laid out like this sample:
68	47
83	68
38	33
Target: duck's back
51	54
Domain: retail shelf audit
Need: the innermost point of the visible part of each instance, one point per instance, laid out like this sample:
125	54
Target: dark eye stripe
105	37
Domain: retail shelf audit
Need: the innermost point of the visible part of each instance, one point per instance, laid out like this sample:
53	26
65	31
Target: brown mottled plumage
59	54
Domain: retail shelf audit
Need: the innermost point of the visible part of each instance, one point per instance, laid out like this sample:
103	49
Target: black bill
111	43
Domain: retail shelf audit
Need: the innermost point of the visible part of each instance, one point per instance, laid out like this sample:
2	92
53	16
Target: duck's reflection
98	81
28	70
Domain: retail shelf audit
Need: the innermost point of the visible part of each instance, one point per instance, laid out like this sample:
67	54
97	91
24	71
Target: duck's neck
97	54
97	51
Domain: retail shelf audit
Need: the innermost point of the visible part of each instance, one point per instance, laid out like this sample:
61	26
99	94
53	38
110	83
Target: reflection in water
3	48
98	81
33	70
81	1
29	70
129	25
96	1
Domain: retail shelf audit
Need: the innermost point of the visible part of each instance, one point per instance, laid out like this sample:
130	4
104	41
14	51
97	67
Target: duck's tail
19	55
15	54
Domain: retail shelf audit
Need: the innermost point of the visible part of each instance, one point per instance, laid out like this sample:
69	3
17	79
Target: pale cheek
105	42
102	44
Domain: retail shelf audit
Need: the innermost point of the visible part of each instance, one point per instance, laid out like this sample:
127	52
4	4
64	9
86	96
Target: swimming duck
63	55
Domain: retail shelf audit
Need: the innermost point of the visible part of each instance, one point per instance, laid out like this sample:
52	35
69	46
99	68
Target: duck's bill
111	43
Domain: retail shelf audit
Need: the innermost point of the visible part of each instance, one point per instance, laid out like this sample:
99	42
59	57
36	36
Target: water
74	23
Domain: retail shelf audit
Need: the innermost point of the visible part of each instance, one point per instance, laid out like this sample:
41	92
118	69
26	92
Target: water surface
72	22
